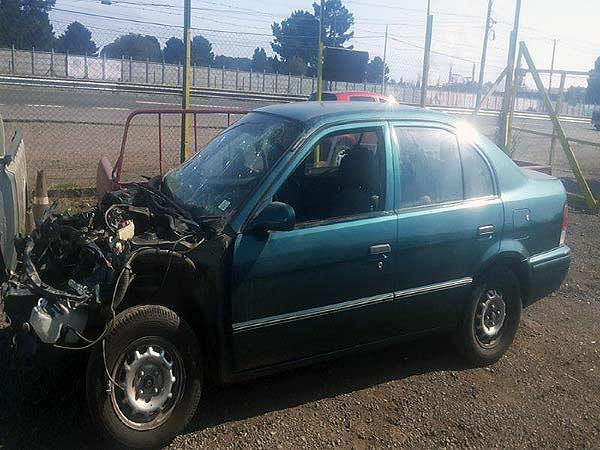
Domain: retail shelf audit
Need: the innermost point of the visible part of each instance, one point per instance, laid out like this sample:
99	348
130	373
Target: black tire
470	338
133	328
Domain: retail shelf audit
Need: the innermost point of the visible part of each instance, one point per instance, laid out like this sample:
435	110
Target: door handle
486	230
380	249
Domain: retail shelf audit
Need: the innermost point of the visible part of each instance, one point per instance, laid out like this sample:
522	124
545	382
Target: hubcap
150	377
490	317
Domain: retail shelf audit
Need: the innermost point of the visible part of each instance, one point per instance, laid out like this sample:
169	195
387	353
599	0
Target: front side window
216	180
430	167
343	175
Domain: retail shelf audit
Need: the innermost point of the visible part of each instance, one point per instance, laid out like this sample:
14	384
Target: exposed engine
75	269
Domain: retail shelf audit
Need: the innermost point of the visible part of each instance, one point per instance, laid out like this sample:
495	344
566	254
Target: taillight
564	225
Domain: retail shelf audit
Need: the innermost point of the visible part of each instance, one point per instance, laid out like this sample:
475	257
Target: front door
449	222
327	284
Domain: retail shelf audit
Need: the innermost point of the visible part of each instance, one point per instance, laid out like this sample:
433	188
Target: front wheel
491	318
150	386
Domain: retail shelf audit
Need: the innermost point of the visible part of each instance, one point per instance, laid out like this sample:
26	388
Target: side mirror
276	216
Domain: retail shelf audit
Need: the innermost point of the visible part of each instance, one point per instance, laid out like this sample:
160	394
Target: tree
134	46
593	88
260	62
374	71
297	36
337	20
230	62
174	51
77	40
25	24
575	95
296	66
202	54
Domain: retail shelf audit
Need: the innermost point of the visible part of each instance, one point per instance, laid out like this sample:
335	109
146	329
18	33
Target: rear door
449	222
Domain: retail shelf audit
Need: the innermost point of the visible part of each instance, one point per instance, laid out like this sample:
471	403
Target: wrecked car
262	252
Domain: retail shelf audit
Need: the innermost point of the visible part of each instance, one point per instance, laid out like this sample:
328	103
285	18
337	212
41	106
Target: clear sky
457	35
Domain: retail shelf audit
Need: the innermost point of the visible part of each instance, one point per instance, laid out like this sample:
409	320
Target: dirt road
544	393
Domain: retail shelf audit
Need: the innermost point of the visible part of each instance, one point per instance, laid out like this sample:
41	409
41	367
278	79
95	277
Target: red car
356	96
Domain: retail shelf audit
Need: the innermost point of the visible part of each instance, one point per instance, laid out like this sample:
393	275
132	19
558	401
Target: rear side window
430	168
477	176
325	97
361	98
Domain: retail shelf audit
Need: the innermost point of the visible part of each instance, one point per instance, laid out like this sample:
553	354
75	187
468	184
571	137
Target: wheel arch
179	286
516	262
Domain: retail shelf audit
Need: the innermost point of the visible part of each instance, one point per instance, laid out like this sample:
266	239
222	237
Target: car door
450	219
327	284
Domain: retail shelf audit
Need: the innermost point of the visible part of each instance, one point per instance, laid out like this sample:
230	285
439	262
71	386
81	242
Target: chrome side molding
351	304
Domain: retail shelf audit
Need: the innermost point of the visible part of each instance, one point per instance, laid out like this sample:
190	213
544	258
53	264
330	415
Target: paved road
67	130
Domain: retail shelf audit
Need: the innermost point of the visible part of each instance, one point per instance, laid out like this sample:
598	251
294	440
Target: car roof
312	112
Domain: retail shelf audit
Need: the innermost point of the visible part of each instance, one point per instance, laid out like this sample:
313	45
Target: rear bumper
548	271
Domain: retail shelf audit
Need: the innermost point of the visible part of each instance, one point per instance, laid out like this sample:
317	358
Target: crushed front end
74	270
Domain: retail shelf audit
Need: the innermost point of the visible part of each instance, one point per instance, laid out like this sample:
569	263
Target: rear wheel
153	360
491	318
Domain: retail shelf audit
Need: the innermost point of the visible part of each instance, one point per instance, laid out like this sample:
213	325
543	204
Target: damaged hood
75	269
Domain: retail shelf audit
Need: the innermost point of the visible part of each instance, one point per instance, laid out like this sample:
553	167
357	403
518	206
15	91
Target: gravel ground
543	393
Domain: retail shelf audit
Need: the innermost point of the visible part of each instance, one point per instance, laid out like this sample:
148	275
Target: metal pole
85	66
426	57
320	59
488	26
12	60
130	69
491	91
208	76
162	72
507	101
552	67
185	97
104	66
147	70
250	80
51	62
561	91
383	80
573	163
67	64
32	60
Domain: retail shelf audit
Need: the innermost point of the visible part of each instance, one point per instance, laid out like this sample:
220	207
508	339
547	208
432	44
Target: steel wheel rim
490	318
151	377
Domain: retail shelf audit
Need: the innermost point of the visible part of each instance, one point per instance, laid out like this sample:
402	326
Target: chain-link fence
68	130
535	141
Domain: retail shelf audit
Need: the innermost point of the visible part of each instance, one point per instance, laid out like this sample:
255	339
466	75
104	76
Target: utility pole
488	26
508	86
383	80
426	55
185	98
320	55
552	67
